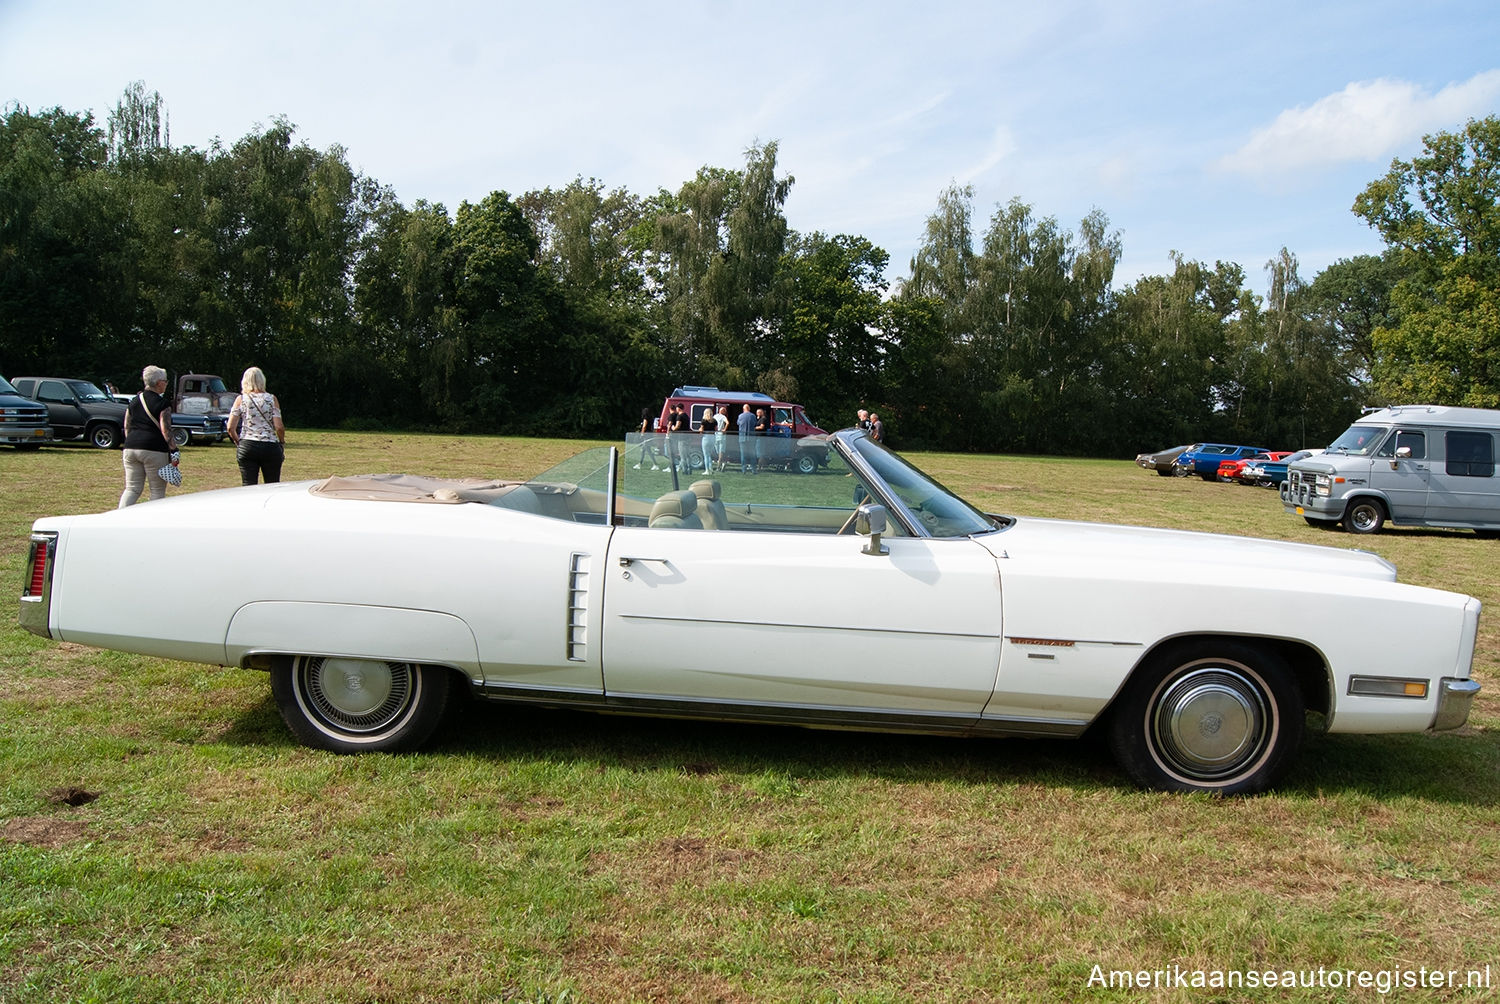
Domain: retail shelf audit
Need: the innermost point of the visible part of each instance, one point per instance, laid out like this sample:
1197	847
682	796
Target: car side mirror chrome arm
870	520
1402	453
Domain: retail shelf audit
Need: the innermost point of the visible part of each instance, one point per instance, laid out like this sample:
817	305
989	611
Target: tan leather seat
710	510
676	510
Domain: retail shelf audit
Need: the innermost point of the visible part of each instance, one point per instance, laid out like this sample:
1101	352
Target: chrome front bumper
1455	698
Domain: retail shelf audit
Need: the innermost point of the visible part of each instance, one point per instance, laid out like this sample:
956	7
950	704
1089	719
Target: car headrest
706	489
674	506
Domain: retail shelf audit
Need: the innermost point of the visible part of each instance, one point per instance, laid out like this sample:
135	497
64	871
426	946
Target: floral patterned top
258	412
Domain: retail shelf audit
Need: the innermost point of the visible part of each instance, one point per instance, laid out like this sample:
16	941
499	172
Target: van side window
1415	441
1470	454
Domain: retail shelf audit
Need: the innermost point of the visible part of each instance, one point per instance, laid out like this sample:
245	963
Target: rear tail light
43	546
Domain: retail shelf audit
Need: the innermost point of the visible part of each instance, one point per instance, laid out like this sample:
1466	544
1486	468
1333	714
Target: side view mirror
870	520
1402	453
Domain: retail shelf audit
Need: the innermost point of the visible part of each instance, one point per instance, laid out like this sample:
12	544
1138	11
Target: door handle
626	562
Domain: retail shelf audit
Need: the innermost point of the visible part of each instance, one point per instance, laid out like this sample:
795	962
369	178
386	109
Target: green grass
556	856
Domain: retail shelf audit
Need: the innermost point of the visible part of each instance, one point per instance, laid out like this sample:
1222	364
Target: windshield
939	511
589	469
1359	440
87	391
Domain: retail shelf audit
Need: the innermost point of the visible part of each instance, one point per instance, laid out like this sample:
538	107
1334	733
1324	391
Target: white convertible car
863	595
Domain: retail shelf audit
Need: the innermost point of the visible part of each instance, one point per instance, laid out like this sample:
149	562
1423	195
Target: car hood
9	400
1100	544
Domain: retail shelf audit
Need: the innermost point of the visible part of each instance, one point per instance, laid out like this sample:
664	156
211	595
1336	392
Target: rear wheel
357	705
1217	716
105	436
1364	516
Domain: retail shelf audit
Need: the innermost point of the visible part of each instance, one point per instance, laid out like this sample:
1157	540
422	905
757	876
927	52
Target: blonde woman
148	438
255	426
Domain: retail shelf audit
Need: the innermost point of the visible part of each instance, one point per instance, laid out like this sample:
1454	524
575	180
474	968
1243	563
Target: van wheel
1364	516
1213	715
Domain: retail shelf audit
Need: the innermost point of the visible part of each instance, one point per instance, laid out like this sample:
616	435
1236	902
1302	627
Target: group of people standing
255	427
676	445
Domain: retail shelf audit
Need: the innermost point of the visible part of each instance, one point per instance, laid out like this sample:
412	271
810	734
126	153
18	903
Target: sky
1222	131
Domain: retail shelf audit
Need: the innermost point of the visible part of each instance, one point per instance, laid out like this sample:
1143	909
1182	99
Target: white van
1417	464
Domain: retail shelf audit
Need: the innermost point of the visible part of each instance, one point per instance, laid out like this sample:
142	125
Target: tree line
565	311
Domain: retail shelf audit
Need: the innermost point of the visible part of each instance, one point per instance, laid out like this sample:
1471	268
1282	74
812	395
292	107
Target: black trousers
256	457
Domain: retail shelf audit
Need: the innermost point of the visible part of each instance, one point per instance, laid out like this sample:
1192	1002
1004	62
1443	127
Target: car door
1403	480
801	620
63	409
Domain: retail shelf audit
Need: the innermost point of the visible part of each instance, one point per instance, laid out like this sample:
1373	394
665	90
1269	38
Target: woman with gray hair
255	426
148	437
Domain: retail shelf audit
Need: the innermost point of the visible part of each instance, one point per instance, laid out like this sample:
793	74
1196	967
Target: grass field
550	856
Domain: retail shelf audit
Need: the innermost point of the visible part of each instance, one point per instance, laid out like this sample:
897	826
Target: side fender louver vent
578	608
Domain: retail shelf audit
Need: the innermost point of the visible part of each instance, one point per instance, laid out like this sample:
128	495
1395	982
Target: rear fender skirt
395	634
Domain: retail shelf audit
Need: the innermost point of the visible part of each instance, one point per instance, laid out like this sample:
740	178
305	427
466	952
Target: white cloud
1366	121
1002	146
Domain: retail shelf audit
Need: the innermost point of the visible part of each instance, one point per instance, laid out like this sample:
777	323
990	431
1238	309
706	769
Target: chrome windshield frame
846	441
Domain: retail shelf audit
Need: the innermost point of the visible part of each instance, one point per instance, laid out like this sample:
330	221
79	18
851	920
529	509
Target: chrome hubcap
360	695
1210	723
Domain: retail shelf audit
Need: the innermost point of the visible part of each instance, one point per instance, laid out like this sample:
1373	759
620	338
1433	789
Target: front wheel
1221	717
1364	516
359	705
807	464
180	437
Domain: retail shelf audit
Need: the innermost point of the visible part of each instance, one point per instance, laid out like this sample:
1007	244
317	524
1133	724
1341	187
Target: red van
782	448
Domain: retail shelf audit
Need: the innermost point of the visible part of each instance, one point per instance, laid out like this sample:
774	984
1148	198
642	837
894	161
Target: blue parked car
1203	459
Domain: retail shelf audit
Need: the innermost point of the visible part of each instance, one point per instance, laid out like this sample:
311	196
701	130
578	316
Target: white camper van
1417	464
